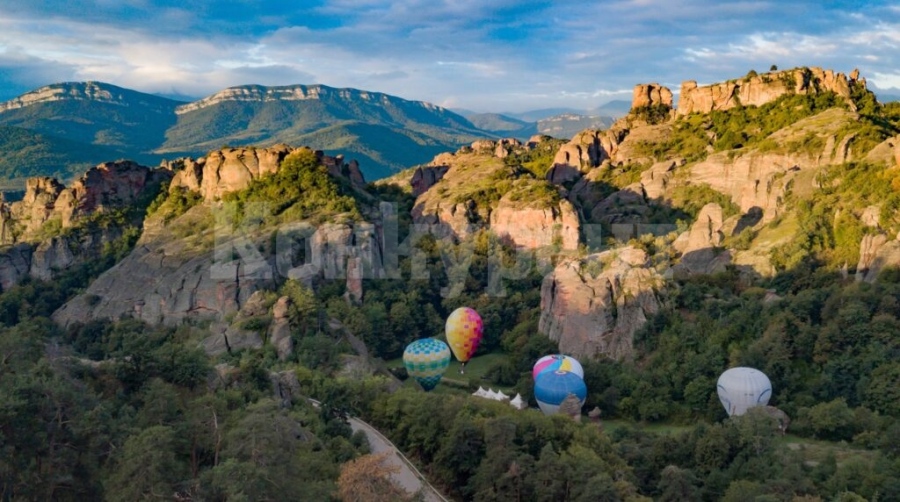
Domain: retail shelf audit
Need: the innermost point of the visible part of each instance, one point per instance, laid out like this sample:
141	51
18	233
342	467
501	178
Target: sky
479	55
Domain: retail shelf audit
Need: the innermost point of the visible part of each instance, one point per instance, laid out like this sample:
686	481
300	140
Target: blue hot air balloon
551	388
426	360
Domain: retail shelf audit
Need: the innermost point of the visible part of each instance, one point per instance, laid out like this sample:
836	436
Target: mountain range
62	129
70	126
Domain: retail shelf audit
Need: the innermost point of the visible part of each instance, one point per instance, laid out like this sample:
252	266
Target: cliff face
596	314
536	227
651	95
761	89
108	186
85	91
232	169
33	230
201	266
261	94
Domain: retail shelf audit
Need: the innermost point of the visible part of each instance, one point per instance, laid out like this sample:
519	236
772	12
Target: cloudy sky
482	55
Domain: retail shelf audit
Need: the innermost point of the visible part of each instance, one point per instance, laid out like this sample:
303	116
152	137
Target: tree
368	479
773	68
677	484
148	468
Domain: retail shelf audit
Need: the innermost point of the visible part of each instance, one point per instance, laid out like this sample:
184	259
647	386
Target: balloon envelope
742	388
464	330
426	360
557	362
552	387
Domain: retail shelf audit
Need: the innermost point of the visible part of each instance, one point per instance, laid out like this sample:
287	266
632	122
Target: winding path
408	476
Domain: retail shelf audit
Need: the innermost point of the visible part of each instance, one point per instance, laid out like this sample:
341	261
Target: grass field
476	369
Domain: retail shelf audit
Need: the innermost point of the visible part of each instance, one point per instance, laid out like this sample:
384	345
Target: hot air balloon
464	330
551	388
426	360
557	362
743	388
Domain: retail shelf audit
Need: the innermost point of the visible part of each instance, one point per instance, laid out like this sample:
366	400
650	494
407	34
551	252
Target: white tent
480	392
518	403
501	396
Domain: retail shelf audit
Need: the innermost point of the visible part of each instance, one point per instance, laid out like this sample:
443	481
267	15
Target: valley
165	322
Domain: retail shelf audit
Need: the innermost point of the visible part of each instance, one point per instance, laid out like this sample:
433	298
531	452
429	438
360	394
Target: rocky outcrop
232	169
887	152
212	273
758	90
536	227
426	177
759	179
592	307
43	232
651	95
876	252
701	248
280	329
583	152
106	187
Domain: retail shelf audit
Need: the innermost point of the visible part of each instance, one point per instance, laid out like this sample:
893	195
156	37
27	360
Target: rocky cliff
87	91
592	307
51	229
205	265
651	95
477	190
758	90
232	169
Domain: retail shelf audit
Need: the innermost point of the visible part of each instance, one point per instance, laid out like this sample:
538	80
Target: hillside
102	122
179	318
27	153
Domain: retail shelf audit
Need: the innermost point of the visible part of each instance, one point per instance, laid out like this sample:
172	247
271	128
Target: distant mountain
504	126
567	125
96	121
92	114
616	108
544	113
26	153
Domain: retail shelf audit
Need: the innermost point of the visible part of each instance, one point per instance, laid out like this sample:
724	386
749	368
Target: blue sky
494	55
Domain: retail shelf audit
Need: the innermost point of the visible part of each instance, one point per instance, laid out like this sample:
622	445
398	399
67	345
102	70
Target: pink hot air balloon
556	362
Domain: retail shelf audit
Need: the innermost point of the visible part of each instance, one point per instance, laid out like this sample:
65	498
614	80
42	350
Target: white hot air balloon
742	388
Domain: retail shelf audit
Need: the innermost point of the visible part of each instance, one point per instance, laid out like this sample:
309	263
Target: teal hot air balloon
426	360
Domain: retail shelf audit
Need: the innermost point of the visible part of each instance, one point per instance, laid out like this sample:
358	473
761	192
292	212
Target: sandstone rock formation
213	272
876	252
536	227
761	89
232	169
593	314
108	186
759	179
35	231
280	329
425	177
701	251
651	95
